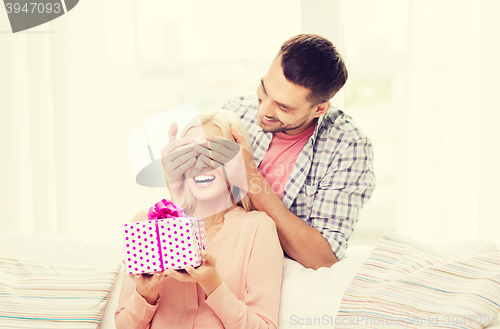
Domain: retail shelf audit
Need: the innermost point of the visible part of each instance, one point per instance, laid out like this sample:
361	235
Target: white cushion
314	294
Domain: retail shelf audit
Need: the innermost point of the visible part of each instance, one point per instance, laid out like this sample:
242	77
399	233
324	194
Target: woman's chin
210	209
214	191
206	198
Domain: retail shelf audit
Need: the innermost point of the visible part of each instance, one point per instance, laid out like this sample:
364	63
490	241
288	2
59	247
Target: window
375	39
196	51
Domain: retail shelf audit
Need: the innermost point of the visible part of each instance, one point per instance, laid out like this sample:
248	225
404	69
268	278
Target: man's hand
177	157
206	275
148	286
236	157
250	166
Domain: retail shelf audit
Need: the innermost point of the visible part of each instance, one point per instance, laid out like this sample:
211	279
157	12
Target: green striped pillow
41	296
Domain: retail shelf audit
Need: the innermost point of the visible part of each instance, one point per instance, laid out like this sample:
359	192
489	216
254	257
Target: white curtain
325	18
68	98
489	175
436	154
71	91
442	191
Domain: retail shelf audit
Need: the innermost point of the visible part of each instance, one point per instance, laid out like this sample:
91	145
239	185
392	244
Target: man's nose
267	108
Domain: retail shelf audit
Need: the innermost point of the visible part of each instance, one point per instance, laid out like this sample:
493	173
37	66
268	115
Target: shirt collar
325	120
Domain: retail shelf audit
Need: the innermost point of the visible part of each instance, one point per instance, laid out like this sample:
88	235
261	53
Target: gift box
169	239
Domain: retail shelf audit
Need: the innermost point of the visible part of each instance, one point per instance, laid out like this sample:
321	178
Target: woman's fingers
193	272
208	257
157	276
148	280
179	276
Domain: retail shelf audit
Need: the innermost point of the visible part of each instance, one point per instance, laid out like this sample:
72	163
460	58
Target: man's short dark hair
312	61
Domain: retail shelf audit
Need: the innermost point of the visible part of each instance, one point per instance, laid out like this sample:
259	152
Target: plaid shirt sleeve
341	193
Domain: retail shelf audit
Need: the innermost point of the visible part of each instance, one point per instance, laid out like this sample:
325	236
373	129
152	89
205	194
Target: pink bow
165	209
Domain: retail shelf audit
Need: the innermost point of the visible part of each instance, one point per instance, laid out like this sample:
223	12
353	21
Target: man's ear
321	108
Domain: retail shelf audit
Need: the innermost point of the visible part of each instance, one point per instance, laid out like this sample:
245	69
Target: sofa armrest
108	319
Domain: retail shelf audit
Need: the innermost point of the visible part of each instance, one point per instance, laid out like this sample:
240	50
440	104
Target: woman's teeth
204	179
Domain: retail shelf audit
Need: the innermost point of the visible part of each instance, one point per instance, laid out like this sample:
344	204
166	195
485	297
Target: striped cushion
52	296
405	284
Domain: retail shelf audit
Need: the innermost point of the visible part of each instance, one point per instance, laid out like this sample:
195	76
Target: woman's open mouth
203	180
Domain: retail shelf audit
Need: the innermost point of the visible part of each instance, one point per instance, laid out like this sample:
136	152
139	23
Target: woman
238	284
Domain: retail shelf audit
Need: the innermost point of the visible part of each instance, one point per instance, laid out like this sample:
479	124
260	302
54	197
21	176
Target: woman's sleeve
260	307
133	311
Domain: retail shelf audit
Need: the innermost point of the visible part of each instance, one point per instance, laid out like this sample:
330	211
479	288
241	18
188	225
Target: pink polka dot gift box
169	239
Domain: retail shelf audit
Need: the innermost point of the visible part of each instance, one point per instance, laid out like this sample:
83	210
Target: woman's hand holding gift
148	286
206	275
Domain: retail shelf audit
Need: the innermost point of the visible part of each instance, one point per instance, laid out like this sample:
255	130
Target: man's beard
281	128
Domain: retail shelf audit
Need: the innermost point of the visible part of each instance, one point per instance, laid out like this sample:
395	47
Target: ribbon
159	245
199	226
161	210
165	209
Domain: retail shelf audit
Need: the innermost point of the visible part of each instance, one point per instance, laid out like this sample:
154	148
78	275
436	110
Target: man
311	170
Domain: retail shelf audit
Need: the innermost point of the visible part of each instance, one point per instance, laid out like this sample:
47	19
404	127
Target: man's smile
267	121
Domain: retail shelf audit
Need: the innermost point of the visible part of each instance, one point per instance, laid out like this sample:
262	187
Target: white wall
489	148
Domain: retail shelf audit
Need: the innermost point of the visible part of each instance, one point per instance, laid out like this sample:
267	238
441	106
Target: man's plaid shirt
332	178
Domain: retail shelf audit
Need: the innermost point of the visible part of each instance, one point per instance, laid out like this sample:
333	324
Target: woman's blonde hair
223	119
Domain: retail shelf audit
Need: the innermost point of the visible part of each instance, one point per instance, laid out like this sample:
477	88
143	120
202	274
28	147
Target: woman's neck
212	211
215	218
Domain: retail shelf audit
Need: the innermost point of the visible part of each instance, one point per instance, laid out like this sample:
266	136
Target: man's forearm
300	241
